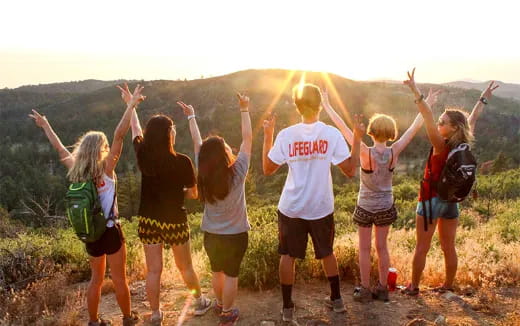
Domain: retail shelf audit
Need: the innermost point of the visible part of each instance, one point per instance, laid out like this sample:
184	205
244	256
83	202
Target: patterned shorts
364	218
152	231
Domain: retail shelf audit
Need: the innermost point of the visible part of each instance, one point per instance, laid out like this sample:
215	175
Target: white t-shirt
106	187
308	149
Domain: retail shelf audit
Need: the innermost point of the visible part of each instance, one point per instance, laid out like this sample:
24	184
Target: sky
55	41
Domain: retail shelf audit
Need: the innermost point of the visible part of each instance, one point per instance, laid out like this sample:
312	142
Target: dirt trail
256	306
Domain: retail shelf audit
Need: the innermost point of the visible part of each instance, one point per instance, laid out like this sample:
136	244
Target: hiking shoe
157	319
410	291
202	305
131	320
287	314
380	292
217	308
229	318
336	305
100	322
362	294
443	289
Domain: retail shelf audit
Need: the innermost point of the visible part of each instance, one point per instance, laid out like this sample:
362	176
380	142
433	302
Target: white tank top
106	188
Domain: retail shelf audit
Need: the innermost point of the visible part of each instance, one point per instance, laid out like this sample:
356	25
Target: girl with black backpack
452	129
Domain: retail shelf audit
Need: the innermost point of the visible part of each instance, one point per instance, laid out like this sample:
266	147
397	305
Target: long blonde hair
88	162
462	134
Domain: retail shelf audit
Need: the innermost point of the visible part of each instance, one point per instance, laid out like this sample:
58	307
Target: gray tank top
375	190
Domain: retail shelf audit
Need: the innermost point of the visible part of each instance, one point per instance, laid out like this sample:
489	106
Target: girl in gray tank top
375	200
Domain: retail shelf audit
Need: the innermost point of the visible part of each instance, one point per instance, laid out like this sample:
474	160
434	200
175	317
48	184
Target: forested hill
28	165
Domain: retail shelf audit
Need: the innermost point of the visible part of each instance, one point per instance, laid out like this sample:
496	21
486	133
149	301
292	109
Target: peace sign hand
40	120
432	97
488	92
359	126
187	109
243	101
269	124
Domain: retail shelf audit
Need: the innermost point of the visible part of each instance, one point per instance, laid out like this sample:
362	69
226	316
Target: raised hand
187	109
488	92
126	95
359	126
325	98
40	120
243	102
137	97
411	80
269	124
432	97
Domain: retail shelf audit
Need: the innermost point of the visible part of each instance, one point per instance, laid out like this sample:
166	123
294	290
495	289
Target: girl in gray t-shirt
221	184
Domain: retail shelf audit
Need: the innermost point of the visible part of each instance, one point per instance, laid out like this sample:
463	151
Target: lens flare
301	84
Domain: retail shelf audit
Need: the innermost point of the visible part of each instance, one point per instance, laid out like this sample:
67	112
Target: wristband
191	117
483	100
419	100
244	110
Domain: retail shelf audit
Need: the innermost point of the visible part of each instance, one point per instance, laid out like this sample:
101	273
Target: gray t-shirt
229	216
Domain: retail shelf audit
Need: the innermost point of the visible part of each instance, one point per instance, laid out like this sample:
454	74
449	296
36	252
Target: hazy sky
52	41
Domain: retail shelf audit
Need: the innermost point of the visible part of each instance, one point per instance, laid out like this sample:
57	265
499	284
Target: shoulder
332	131
183	158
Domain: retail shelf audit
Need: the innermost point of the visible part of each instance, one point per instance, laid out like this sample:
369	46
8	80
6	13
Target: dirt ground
499	308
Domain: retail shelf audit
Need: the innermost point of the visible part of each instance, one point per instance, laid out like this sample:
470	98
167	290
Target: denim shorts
440	208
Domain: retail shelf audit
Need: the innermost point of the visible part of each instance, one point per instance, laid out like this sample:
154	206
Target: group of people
306	205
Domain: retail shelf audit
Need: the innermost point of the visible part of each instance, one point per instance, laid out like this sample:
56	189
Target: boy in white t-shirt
307	202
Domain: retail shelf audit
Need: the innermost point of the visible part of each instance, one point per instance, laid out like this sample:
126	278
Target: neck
310	119
379	145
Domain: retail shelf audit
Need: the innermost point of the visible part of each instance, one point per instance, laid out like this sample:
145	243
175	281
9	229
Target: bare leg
154	266
382	253
117	263
447	233
365	243
218	285
424	240
97	268
182	256
229	292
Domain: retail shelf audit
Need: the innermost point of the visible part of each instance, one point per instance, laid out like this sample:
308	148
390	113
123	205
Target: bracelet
244	110
483	100
191	117
419	100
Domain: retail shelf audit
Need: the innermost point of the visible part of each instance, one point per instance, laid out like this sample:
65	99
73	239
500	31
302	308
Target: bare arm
189	112
121	130
247	130
340	124
435	137
479	107
349	166
268	166
41	121
126	95
410	133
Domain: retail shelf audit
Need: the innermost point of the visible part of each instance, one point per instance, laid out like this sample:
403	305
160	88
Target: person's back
308	149
375	188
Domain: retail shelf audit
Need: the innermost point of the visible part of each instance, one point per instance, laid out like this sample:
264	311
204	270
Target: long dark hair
215	170
157	146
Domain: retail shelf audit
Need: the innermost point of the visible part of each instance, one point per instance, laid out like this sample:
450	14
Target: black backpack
456	179
458	176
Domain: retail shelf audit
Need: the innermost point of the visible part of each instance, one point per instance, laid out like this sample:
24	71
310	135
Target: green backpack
85	212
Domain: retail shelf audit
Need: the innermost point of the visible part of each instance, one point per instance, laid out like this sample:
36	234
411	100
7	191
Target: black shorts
109	243
152	231
364	218
293	236
226	251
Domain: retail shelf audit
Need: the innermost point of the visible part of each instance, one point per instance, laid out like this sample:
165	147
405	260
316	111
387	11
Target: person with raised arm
375	204
167	178
93	159
306	206
451	130
221	181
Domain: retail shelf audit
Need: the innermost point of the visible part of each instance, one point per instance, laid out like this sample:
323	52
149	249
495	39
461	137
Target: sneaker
336	305
100	322
229	318
157	319
131	320
380	292
287	314
217	308
408	290
362	294
441	289
202	305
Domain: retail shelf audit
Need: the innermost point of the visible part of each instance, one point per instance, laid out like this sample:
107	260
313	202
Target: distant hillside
78	87
505	89
27	157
